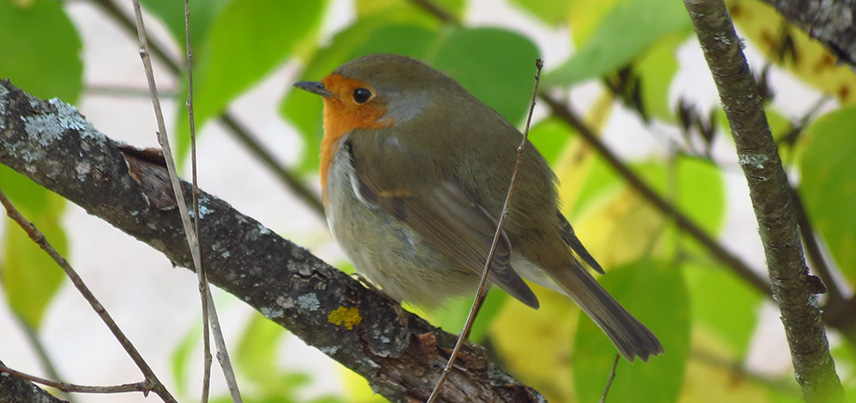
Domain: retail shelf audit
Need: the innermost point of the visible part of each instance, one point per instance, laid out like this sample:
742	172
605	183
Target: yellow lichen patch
348	317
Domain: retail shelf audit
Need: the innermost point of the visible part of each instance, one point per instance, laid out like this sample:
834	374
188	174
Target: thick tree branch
20	390
793	288
52	144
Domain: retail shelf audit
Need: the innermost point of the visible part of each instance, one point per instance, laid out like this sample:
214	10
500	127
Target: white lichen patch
82	169
271	313
47	128
329	350
755	161
308	302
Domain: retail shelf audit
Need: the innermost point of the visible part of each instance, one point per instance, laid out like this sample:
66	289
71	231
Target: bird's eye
361	95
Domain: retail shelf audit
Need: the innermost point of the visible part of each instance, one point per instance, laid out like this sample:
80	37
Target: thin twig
99	309
480	294
144	386
202	278
190	235
611	378
242	133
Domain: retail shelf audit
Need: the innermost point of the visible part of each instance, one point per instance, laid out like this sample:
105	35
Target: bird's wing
441	212
571	239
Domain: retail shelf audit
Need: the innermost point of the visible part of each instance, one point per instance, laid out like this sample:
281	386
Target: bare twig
190	235
144	386
771	199
204	291
480	294
242	133
78	283
611	378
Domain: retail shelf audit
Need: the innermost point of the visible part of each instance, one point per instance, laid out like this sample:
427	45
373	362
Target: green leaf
656	294
629	29
550	136
40	50
202	13
454	313
495	65
246	41
657	69
257	352
723	304
368	35
553	12
180	360
700	189
828	185
29	277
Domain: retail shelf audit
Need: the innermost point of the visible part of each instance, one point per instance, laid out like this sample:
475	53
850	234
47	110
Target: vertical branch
202	279
190	235
771	199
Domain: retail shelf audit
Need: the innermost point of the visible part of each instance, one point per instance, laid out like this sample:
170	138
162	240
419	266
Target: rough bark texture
17	390
771	200
829	21
51	143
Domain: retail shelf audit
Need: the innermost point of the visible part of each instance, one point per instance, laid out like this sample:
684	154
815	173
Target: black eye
361	95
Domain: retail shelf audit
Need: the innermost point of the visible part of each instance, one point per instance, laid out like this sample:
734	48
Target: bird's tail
629	335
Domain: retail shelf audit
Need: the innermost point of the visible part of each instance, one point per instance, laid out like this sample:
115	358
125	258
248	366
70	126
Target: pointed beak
315	87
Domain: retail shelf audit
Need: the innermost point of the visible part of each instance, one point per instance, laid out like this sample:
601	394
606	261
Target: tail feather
629	335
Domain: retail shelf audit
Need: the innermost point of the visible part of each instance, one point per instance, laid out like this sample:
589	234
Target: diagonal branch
770	192
683	222
52	144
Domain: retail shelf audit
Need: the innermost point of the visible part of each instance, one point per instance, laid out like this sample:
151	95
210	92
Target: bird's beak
315	87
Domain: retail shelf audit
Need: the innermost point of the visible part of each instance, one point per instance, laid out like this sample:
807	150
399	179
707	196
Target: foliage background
722	338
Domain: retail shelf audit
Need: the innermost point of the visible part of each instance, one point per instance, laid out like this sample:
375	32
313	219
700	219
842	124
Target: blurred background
631	69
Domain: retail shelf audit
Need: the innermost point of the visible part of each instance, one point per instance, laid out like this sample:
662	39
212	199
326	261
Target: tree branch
52	144
17	389
793	288
830	22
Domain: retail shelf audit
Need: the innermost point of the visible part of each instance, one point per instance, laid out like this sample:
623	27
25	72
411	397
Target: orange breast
343	115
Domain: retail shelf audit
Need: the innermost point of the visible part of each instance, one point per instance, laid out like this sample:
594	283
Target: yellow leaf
536	344
791	48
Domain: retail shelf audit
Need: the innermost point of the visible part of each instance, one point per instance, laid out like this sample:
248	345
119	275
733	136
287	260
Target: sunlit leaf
630	28
535	345
828	184
40	50
655	293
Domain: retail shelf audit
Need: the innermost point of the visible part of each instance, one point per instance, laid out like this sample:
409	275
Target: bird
414	173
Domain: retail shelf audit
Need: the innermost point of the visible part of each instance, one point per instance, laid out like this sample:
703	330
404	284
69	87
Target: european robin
414	173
